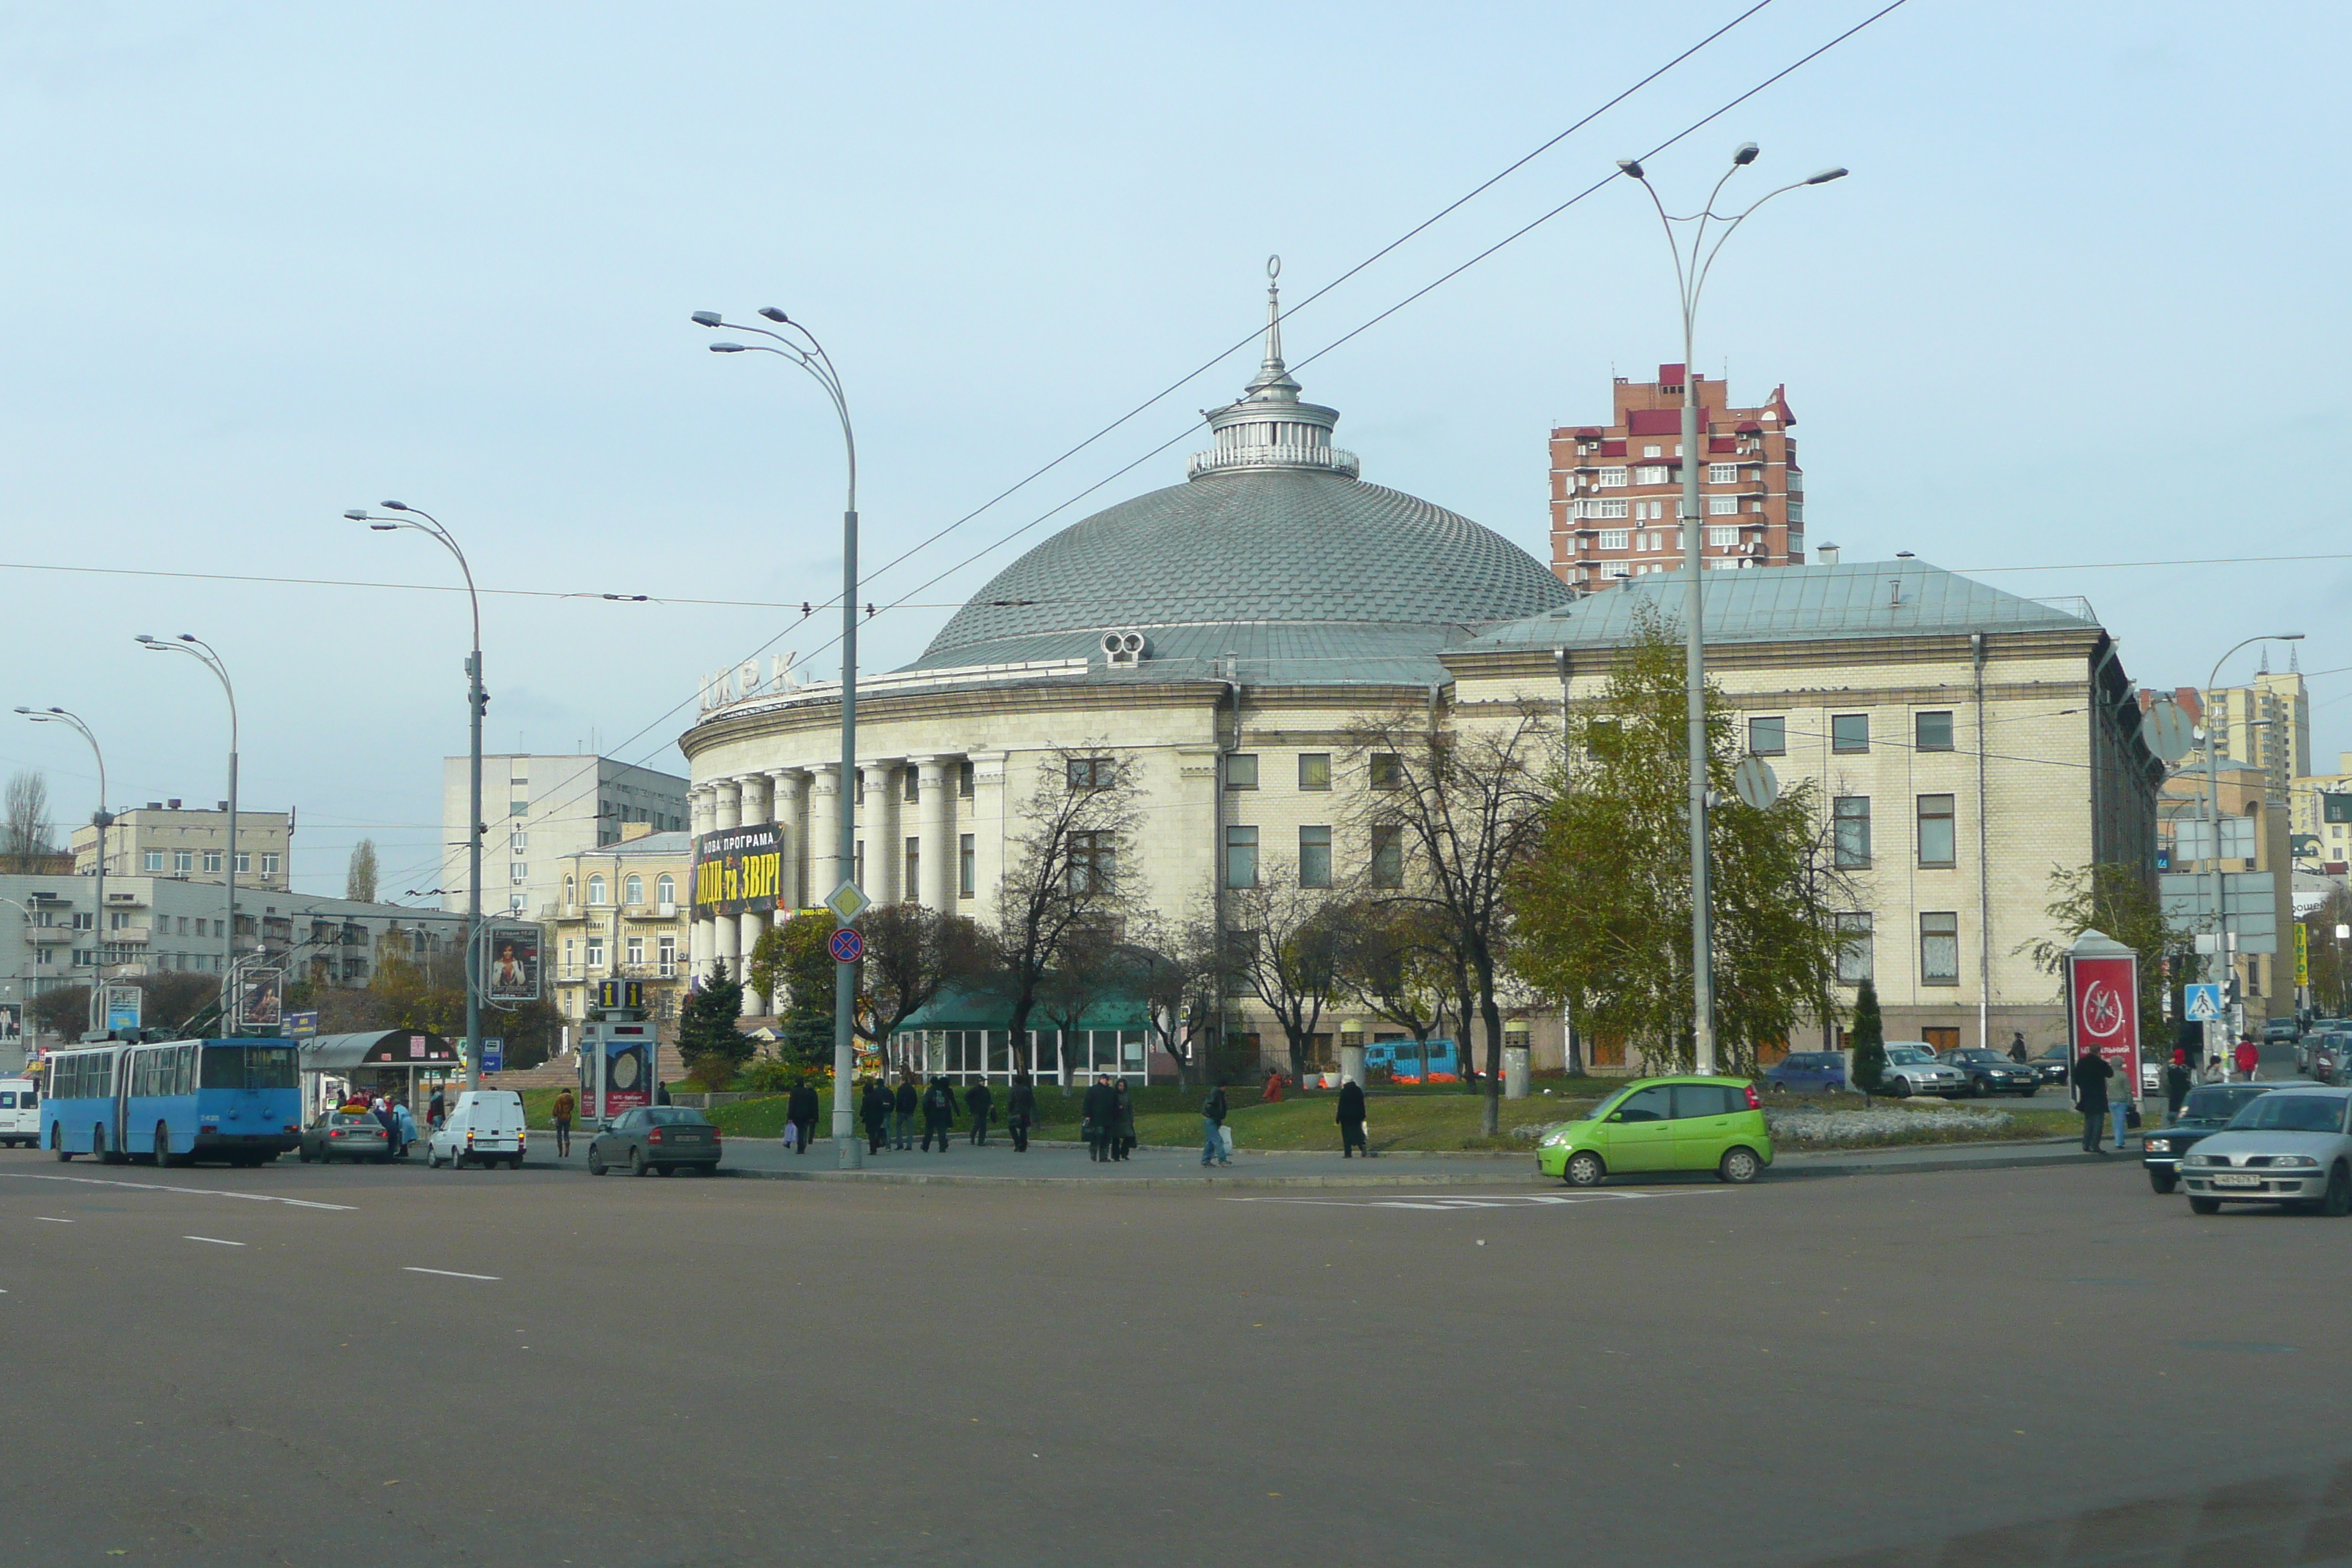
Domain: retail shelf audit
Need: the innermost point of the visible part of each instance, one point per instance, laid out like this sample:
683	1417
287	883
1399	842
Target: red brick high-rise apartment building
1613	490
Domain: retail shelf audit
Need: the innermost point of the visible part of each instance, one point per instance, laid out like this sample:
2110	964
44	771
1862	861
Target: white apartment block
540	811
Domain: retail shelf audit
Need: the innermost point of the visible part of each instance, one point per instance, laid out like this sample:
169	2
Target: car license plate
2237	1181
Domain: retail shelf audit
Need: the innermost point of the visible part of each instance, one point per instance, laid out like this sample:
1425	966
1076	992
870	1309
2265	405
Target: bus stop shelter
399	1062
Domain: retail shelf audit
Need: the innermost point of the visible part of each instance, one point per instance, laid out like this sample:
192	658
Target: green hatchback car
1662	1124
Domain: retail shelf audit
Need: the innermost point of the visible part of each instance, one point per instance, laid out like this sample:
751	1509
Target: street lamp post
100	819
204	653
803	350
2222	959
475	702
1690	280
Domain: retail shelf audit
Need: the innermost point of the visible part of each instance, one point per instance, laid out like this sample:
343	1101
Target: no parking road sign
846	945
2202	1003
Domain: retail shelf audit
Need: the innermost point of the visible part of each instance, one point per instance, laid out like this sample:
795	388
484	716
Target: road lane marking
1478	1201
452	1274
49	1219
215	1240
199	1192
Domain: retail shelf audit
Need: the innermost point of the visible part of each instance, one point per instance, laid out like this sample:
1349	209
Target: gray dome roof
1249	550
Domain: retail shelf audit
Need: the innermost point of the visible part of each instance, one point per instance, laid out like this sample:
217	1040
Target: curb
1111	1183
1829	1165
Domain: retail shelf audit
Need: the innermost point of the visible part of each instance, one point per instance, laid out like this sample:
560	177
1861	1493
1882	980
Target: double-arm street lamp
204	653
100	819
427	524
800	345
2223	961
1692	265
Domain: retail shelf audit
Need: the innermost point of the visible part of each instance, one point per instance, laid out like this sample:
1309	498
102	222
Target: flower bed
1834	1127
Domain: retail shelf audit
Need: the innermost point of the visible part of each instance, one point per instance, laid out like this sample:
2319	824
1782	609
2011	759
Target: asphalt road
2030	1367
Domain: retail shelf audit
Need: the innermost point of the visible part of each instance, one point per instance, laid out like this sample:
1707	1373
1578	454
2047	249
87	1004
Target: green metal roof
955	1009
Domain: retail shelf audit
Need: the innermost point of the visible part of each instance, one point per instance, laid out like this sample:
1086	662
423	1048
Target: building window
1937	842
1314	770
570	887
182	862
595	952
212	860
1853	960
154	860
1722	473
1241	770
269	864
1241	857
1387	867
914	785
1653	450
1611	479
1932	731
1849	732
518	871
634	889
963	779
1315	857
967	868
517	843
665	955
1768	737
1654	475
1722	506
1090	773
910	886
518	902
637	951
1387	770
518	809
1617	538
1850	831
595	889
1939	949
245	862
666	888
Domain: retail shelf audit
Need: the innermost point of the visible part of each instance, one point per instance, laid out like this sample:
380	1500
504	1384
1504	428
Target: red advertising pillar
2103	1005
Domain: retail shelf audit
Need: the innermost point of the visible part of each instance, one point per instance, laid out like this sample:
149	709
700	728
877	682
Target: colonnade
911	814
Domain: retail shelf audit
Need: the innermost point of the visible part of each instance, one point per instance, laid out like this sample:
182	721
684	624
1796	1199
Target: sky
270	261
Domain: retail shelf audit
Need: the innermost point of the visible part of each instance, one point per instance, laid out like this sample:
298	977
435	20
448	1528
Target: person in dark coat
902	1112
1099	1108
1351	1121
2016	1046
2091	1074
1020	1113
801	1112
436	1111
1213	1128
979	1100
938	1114
2176	1084
1122	1121
878	1114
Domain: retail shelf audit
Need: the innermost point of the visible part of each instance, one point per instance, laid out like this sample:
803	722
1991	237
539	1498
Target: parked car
2051	1064
664	1137
1989	1072
1807	1072
1662	1124
2320	1054
344	1135
2289	1146
20	1113
2206	1111
2280	1032
484	1128
1913	1068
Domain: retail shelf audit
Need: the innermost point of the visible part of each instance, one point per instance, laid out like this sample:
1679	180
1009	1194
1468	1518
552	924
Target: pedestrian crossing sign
2203	1003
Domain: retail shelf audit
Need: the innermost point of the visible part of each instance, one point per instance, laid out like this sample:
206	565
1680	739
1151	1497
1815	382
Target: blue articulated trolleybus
174	1103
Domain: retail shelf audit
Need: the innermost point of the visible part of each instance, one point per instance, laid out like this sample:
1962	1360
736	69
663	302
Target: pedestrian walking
564	1106
2017	1046
1020	1113
979	1100
382	1109
404	1127
1098	1110
436	1111
878	1109
2249	1058
1213	1128
799	1110
1272	1094
938	1113
1351	1121
2176	1084
2091	1073
903	1106
1122	1121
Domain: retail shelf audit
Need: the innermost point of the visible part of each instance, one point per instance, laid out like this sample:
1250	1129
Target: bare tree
25	843
1396	962
1177	974
1462	810
1280	947
913	954
359	882
1064	881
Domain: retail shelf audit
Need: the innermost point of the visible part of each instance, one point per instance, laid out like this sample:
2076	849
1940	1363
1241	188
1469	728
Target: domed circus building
1219	637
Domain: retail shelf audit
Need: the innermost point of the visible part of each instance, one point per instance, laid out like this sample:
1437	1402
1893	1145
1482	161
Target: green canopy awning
959	1009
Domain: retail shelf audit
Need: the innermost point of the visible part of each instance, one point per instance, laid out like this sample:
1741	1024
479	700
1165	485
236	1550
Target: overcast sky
2077	304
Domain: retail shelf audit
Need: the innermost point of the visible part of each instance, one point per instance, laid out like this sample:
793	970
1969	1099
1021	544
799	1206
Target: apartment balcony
50	936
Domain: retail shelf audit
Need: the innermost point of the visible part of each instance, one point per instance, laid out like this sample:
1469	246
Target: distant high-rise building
2266	724
539	810
1614	489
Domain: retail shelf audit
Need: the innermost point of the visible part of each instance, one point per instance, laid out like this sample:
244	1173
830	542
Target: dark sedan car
344	1135
1989	1072
1807	1072
2051	1066
2206	1111
662	1138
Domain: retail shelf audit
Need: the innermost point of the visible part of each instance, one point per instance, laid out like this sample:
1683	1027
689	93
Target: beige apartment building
190	844
2325	831
622	912
2265	724
2254	890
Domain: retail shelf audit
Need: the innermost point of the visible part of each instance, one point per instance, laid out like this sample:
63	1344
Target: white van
20	1113
485	1128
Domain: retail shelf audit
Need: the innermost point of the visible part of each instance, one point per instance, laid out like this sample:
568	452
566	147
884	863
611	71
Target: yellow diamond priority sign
848	901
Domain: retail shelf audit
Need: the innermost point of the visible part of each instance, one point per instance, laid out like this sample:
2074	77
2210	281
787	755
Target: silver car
1912	1068
2291	1146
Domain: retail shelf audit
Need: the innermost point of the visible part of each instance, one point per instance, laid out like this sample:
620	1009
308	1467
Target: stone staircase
556	1072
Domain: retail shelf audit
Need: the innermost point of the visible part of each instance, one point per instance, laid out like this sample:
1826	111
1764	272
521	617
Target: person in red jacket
1273	1094
2248	1059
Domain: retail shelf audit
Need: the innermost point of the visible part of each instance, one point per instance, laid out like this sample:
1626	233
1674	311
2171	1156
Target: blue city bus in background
1408	1062
174	1102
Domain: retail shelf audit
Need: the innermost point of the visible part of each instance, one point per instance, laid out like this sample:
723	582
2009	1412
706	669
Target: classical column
729	793
935	784
823	833
789	790
989	826
886	850
757	809
748	927
726	949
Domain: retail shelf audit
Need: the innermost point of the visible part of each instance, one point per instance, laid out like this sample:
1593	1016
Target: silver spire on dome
1269	428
